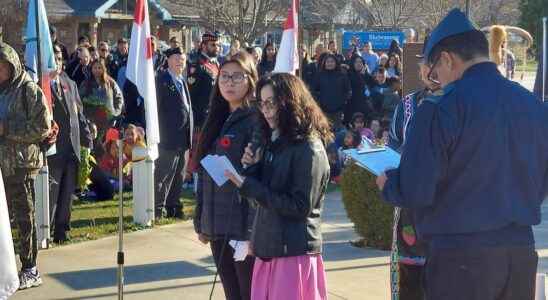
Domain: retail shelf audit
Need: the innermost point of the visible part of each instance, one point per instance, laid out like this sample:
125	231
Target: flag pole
44	170
544	58
38	52
120	256
300	38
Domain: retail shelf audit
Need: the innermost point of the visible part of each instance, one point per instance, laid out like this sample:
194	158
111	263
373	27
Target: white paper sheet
216	165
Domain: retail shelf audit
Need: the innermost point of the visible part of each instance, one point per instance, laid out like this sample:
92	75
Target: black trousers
63	170
235	276
169	165
488	273
411	282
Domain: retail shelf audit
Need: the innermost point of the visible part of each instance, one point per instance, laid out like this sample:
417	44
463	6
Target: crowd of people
207	104
286	138
94	105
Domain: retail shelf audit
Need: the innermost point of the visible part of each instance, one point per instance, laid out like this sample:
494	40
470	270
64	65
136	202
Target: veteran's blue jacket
475	164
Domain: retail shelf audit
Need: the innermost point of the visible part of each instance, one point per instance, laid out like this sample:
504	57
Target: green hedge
371	216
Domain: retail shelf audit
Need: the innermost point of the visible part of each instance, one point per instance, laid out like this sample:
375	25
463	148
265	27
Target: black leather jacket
290	195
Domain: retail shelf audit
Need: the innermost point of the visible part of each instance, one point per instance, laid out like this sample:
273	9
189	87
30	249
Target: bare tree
489	12
243	20
390	13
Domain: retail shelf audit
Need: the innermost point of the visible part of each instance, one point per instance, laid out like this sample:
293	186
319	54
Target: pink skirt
289	278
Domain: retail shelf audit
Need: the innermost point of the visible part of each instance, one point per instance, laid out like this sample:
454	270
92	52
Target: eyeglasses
236	78
429	76
267	105
103	50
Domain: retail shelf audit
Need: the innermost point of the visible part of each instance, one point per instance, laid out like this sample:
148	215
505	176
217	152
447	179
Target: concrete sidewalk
170	263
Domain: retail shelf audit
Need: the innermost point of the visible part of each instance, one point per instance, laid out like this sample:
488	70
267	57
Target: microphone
256	143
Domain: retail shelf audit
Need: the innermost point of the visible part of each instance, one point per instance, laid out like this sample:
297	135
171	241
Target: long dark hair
299	117
353	61
325	58
264	57
219	109
398	63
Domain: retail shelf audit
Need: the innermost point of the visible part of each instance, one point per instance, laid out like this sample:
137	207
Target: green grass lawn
94	220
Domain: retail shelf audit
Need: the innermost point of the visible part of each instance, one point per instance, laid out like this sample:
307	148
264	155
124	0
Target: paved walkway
170	263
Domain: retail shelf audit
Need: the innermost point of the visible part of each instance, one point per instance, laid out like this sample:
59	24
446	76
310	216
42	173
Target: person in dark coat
268	60
202	76
332	90
176	125
221	215
201	81
474	171
119	58
395	48
80	70
73	134
290	191
361	83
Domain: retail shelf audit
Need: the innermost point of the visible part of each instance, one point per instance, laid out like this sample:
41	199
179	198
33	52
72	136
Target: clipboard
375	161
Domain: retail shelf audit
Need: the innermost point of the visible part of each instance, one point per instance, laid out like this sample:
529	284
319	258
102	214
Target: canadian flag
140	71
287	60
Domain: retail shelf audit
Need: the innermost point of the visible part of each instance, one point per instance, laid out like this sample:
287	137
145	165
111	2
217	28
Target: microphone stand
120	256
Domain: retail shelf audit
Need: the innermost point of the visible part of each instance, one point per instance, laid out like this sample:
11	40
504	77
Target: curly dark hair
219	109
299	117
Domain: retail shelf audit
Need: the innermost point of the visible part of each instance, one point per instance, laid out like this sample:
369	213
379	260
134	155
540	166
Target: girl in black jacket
331	89
222	216
294	173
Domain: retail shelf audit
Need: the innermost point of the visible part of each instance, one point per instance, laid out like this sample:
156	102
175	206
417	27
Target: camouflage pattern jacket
24	117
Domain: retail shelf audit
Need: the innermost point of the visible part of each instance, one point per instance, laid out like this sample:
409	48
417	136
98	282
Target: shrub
372	217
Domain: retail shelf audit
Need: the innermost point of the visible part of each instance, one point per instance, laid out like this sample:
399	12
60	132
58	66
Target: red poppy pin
225	142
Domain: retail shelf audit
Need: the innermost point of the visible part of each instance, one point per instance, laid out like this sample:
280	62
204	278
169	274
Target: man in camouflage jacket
24	123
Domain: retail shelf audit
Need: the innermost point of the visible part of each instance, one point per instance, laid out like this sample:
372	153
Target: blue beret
454	23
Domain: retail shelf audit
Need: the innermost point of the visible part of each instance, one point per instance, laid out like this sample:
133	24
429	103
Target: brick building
100	20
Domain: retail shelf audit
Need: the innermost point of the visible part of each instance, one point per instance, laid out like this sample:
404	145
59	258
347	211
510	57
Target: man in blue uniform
474	171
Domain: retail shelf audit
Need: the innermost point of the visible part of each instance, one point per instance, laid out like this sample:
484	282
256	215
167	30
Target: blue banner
379	39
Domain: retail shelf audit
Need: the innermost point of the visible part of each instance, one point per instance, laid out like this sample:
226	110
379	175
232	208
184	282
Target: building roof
166	10
87	8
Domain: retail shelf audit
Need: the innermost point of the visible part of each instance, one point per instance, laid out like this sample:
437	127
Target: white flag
287	60
9	280
140	71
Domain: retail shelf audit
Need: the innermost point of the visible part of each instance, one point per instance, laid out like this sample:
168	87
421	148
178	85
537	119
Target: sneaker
29	278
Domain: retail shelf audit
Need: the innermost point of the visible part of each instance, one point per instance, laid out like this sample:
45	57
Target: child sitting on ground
358	124
133	138
352	140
